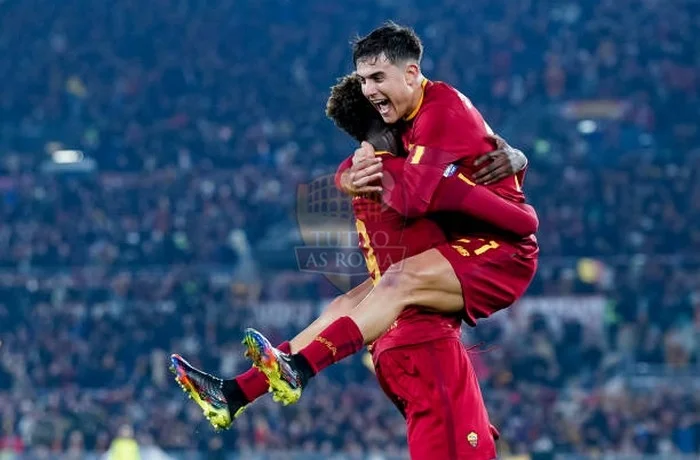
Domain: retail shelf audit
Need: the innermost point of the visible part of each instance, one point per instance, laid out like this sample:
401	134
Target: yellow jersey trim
417	154
464	178
413	114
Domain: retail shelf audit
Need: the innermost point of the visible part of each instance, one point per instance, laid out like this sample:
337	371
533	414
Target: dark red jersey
386	238
446	129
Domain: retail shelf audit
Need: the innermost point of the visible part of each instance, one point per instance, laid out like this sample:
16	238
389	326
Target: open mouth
382	105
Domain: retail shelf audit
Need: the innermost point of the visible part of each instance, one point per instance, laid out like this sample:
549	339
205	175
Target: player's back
386	238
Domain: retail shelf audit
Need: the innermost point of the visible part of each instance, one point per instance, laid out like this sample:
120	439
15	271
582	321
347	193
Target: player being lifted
481	270
429	333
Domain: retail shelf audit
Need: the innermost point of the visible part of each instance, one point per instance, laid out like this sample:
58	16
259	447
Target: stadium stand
150	157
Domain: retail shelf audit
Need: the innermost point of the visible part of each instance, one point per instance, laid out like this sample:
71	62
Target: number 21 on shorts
475	247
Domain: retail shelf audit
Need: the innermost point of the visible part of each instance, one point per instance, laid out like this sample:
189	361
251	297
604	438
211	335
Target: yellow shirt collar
413	114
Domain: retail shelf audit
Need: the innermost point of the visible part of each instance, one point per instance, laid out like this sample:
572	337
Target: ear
412	74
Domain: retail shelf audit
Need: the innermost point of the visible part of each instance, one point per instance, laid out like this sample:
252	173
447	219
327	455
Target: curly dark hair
353	113
350	110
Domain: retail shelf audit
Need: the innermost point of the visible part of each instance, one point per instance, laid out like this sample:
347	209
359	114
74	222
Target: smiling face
394	89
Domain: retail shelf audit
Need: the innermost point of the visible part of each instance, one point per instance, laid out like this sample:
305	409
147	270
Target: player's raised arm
447	131
448	136
434	145
457	193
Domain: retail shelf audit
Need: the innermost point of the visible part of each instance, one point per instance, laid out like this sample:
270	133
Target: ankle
302	365
233	393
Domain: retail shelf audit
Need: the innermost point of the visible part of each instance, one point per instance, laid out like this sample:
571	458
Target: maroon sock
339	340
253	383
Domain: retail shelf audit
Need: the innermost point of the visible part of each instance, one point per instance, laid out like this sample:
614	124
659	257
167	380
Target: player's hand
365	175
497	165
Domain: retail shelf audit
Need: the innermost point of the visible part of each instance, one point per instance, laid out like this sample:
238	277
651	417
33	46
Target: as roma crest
327	228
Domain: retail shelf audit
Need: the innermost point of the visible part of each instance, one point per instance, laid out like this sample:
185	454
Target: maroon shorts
493	274
434	385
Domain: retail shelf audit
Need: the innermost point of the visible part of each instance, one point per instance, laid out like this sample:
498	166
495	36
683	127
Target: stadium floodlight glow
67	156
587	126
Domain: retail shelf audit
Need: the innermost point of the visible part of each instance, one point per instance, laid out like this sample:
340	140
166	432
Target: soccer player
482	270
445	431
221	399
420	362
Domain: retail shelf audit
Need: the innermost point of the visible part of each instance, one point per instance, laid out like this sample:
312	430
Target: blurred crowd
203	118
80	360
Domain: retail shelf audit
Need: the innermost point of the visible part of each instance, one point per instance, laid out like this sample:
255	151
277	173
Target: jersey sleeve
344	166
458	194
443	135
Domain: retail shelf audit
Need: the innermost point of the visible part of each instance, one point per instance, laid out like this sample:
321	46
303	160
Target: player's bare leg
340	306
425	279
224	400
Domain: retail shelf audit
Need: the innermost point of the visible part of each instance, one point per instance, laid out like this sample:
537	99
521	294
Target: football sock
251	384
339	340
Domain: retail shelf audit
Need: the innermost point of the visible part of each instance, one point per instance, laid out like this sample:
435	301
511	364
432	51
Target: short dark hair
397	43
